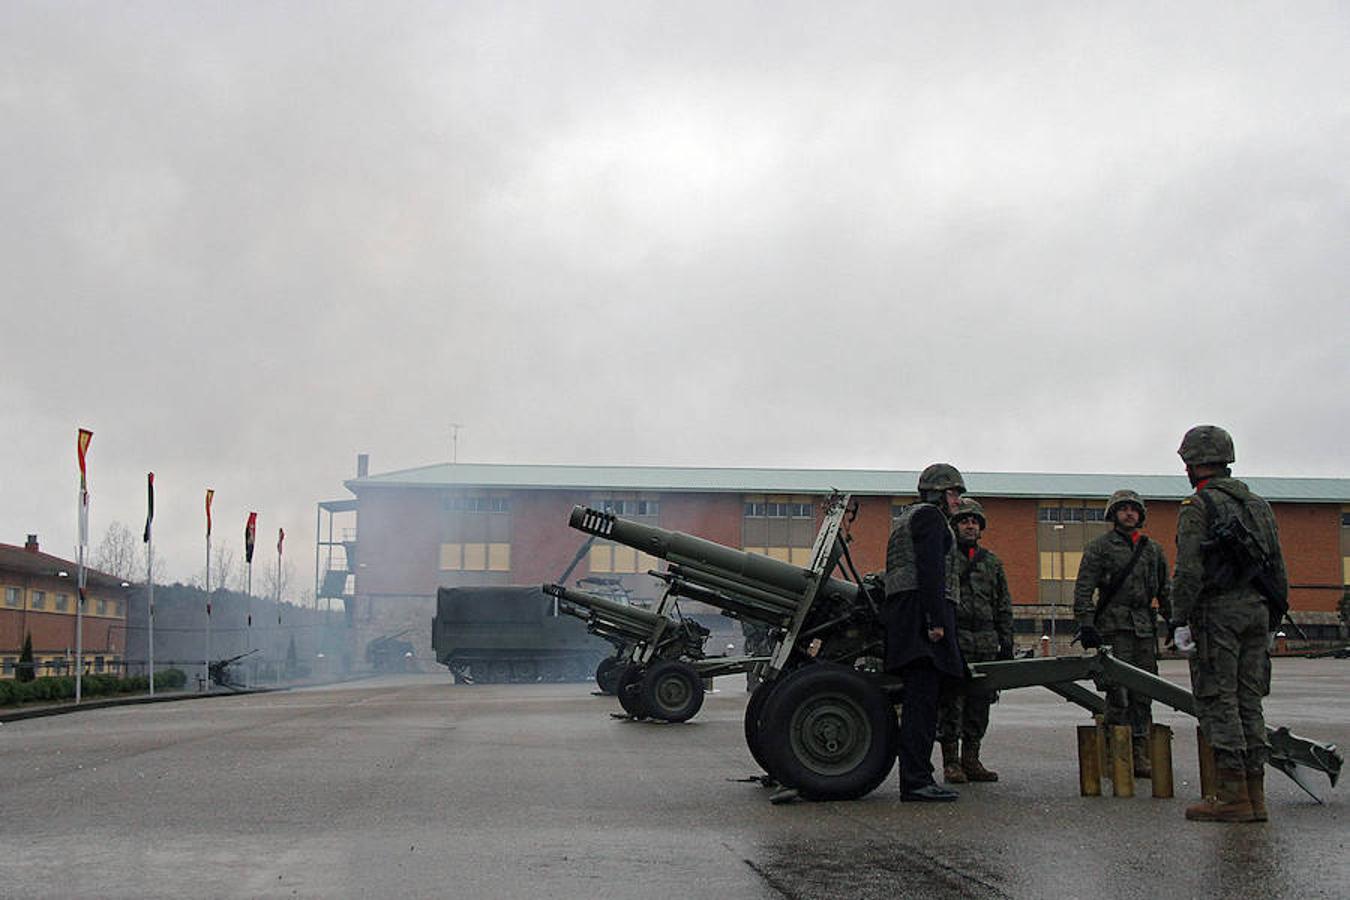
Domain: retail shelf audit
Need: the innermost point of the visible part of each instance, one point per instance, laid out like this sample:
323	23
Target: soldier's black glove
1005	649
1087	636
1172	627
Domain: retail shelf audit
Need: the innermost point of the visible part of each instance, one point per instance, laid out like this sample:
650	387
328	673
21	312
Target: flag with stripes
250	530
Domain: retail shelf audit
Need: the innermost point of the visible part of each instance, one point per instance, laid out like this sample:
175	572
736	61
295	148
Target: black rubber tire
629	691
607	674
671	691
829	732
754	730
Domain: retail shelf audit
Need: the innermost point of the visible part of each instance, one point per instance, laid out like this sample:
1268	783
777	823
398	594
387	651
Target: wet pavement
412	786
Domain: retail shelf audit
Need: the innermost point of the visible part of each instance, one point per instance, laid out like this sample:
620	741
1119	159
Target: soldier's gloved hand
1005	649
1087	636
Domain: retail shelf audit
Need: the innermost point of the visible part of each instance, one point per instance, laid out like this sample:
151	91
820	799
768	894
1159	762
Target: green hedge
62	687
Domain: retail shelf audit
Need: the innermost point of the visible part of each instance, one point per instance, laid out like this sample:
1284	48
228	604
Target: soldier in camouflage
984	631
919	615
1121	573
1227	610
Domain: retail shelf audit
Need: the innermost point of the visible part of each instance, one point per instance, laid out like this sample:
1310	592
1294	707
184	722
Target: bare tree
270	585
224	573
118	553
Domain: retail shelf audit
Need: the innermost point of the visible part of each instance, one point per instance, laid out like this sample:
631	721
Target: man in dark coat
920	620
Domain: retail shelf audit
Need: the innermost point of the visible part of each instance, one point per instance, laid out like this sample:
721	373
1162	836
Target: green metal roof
819	481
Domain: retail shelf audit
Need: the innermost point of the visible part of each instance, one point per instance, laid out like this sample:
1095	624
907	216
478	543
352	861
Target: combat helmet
1206	445
937	478
1120	498
969	506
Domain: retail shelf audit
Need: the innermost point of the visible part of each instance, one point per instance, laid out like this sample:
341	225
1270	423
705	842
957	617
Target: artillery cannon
219	671
823	720
662	667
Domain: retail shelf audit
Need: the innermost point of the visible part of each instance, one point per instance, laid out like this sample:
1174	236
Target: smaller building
38	596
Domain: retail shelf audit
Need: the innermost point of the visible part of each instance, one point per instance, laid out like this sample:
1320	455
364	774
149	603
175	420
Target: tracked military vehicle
511	634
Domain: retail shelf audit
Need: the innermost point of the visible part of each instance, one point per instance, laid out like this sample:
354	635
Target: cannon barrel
699	557
628	620
736	605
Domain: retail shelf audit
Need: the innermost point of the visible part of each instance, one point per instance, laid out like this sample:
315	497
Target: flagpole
150	580
150	570
250	529
81	447
206	663
281	536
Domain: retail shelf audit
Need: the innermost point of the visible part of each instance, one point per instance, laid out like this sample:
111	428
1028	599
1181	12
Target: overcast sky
243	242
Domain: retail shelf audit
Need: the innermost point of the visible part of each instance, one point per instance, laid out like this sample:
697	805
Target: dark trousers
918	723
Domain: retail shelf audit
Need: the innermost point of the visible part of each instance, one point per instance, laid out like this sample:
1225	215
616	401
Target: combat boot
952	773
971	765
1231	802
1256	793
1143	767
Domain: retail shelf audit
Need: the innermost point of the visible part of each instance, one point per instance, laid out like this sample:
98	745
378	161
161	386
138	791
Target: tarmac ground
414	786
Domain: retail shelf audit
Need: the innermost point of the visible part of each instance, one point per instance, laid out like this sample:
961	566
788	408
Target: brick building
408	532
37	598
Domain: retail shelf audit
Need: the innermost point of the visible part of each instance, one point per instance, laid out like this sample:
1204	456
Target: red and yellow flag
81	448
210	495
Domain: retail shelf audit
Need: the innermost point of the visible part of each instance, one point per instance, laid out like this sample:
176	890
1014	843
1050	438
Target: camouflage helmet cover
1120	498
939	477
1206	445
972	508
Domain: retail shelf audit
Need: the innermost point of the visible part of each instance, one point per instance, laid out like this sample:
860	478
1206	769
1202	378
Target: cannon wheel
754	724
830	732
671	690
607	674
629	691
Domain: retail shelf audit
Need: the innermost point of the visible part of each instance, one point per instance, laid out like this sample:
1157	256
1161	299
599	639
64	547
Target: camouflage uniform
756	643
1230	671
1127	624
984	627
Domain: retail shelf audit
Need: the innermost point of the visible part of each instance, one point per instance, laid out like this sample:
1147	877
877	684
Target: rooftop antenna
454	442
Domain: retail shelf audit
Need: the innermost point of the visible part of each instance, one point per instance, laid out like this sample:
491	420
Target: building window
475	557
13	597
629	508
116	607
781	527
39	600
478	504
98	664
62	602
798	556
101	607
9	666
773	509
619	560
1070	514
1060	566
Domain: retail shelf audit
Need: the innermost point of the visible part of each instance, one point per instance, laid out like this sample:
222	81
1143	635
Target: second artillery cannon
661	669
